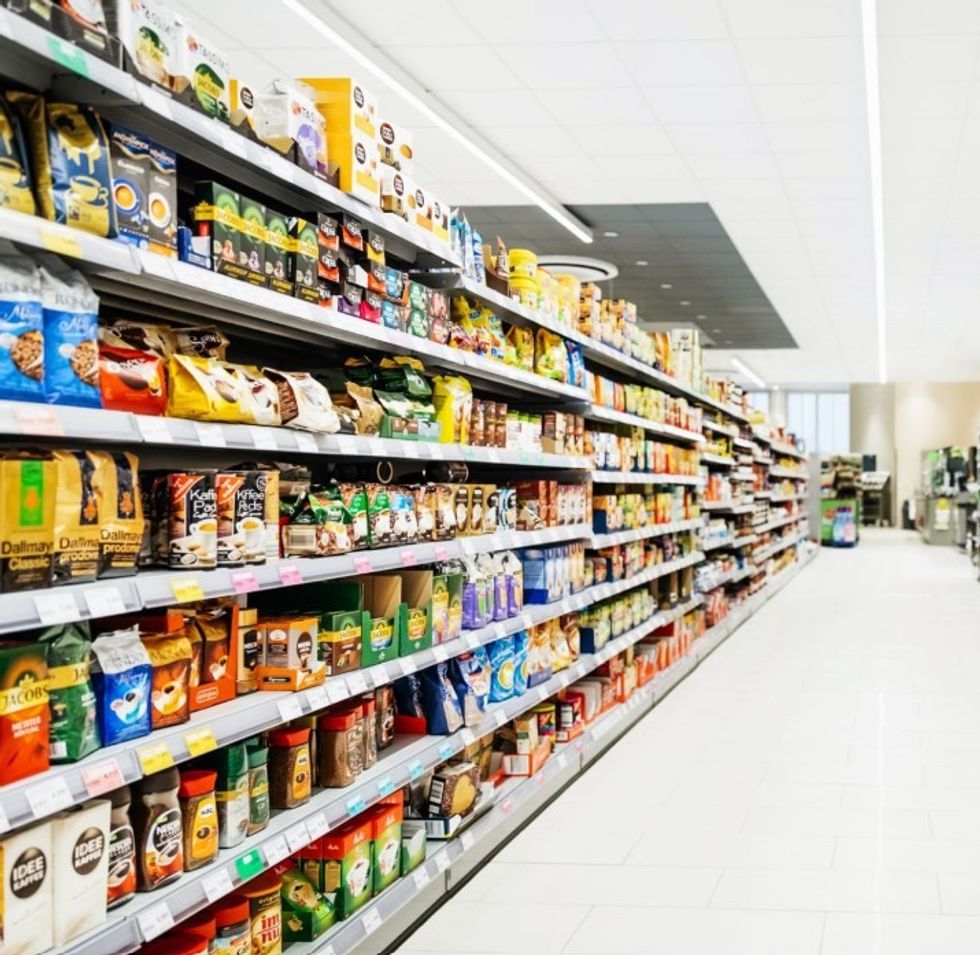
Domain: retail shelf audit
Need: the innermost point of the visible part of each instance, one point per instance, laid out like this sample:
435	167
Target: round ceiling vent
584	268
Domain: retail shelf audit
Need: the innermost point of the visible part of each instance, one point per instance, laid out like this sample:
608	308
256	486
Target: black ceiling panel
684	245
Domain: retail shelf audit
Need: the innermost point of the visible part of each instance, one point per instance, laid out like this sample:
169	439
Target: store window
760	401
821	418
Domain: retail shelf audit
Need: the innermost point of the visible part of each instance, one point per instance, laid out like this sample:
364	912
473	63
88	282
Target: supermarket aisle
813	788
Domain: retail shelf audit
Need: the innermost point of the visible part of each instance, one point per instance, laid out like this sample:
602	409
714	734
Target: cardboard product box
413	845
63	21
348	871
415	626
303	257
307	912
254	240
291	654
217	215
381	618
354	160
395	149
80	867
420	207
247	648
346	105
386	839
28	889
396	187
309	860
278	252
527	764
454	588
202	73
241	108
148	33
287	120
440	608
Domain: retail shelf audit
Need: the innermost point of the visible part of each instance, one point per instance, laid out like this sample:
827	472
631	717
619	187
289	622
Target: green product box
348	873
306	912
303	259
253	242
277	252
386	838
381	619
415	631
220	208
454	589
413	843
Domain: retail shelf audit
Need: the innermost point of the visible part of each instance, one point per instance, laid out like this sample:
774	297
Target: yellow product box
346	106
428	212
395	147
355	158
395	190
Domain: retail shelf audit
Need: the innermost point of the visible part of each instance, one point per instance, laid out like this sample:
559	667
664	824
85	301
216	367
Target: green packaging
277	246
258	784
303	259
413	843
74	730
231	793
254	241
306	912
217	213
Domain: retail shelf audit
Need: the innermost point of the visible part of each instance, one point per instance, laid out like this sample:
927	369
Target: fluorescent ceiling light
748	372
553	209
869	32
611	235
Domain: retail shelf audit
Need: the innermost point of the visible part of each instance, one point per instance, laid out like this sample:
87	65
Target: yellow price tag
200	741
154	757
187	589
55	240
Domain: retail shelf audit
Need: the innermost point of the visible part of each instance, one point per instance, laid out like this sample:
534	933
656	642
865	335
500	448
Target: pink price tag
363	565
408	558
102	778
38	420
289	574
244	581
441	553
506	807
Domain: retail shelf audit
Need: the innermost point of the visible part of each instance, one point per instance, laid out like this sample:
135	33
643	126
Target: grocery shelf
34	55
762	495
719	580
743	443
739	575
98	425
719	428
144	277
386	918
793	473
727	507
778	498
762	459
728	541
242	717
721	460
611	588
761	436
788	541
741	475
151	914
157	588
643	477
599	413
790	450
613	538
779	522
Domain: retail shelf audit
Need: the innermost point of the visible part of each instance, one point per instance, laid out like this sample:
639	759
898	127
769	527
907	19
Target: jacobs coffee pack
24	717
27	502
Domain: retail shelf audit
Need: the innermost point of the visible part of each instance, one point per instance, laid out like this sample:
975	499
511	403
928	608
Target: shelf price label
290	575
249	865
415	769
289	708
154	758
210	434
263	438
371	921
244	581
200	741
49	797
317	825
317	698
102	777
297	837
356	805
60	242
363	565
154	429
55	608
275	850
187	589
408	558
104	601
385	786
306	443
155	921
217	885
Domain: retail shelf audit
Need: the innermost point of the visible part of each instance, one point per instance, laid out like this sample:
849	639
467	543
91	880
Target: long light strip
556	212
748	372
869	29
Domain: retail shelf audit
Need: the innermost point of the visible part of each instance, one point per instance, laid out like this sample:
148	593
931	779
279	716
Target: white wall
900	421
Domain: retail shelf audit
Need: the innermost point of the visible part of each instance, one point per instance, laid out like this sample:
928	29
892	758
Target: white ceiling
755	106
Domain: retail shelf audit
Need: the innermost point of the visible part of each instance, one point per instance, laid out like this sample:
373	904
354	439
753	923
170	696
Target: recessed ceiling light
666	285
611	235
717	331
642	262
701	318
684	301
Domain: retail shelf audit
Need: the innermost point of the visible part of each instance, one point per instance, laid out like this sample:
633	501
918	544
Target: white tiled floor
812	789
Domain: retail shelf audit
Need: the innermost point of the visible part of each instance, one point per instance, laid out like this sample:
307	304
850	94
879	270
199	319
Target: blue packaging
501	654
21	327
440	703
576	364
471	676
522	644
71	323
408	696
121	677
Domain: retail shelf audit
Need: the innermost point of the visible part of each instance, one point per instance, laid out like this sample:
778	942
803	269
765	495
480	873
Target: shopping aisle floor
814	787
